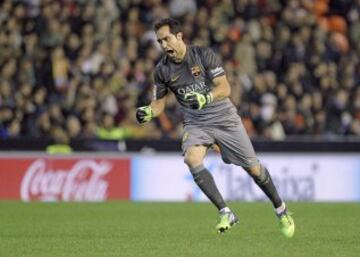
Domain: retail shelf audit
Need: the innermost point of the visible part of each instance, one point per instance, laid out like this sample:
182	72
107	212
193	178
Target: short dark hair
175	26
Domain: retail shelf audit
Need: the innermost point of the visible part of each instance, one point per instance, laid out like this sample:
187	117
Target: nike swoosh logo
173	79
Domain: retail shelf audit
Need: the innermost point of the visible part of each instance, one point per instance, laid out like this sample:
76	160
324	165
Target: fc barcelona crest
196	70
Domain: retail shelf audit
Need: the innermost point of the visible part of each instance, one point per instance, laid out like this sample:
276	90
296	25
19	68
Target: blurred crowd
74	69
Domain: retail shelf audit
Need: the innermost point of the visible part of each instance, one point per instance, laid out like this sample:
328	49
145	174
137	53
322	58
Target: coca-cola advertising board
64	178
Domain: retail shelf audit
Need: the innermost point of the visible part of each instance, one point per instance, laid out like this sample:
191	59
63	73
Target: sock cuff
281	209
224	210
197	169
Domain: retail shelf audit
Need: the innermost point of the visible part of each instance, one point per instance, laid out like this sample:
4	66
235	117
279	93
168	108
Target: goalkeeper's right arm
147	113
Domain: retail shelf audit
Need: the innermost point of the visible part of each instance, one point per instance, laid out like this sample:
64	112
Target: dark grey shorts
234	142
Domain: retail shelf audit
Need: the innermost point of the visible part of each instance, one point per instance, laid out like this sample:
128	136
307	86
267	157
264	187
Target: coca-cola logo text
84	181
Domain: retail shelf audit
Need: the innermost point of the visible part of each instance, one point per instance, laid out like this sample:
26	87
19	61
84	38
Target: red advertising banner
64	179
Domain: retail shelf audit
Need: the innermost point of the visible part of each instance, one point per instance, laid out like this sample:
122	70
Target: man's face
169	42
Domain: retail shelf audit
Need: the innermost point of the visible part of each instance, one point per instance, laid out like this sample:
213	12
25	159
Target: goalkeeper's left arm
221	90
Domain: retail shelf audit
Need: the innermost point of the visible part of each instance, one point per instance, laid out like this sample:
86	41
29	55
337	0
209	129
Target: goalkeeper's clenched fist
197	101
144	114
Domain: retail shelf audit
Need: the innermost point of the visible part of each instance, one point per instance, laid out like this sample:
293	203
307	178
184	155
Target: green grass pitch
174	230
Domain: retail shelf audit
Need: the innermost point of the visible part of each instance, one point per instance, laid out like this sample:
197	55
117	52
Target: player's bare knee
192	160
254	171
194	156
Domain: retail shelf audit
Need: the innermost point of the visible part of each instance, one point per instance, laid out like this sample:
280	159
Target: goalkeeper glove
197	101
144	114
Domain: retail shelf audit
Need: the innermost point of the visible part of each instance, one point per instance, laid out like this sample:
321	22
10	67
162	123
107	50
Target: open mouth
170	52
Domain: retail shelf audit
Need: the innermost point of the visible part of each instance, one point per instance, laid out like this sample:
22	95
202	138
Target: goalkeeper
196	76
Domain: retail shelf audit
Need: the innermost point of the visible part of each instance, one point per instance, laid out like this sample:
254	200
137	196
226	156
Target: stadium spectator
89	56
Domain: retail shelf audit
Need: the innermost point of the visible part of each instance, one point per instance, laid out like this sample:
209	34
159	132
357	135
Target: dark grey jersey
195	73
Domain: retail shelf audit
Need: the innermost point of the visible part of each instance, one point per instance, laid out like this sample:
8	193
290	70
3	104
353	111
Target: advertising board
298	177
64	179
